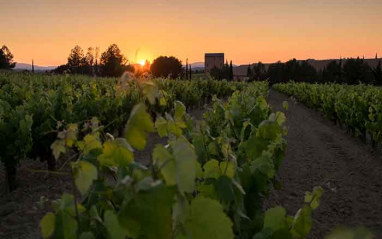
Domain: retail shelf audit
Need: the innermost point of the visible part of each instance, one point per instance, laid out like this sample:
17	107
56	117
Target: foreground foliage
33	109
208	181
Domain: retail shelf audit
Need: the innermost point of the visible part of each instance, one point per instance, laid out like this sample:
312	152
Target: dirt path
319	153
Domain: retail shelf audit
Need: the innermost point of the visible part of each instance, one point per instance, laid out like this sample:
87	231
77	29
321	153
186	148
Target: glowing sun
142	62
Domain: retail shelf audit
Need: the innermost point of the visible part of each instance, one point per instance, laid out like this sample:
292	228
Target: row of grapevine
33	108
207	182
359	107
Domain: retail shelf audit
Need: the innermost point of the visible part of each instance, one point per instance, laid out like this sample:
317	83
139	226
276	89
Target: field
159	158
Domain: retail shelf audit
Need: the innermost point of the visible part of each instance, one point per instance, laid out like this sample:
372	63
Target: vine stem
75	201
205	146
70	158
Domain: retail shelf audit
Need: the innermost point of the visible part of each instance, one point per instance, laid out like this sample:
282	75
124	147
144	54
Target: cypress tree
190	71
186	68
340	70
249	71
32	66
377	73
231	70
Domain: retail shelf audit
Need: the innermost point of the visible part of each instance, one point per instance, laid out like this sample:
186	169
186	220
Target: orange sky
245	30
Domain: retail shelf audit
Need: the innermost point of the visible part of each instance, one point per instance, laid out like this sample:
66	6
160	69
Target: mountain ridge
26	66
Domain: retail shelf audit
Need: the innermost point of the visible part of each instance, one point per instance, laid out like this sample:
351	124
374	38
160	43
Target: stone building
212	60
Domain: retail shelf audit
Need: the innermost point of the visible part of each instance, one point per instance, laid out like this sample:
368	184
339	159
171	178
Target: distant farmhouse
212	60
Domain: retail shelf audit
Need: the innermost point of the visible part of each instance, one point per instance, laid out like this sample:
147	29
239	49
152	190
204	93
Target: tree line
349	71
226	72
112	63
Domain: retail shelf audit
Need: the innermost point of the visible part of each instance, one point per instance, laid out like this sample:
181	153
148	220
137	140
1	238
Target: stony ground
321	154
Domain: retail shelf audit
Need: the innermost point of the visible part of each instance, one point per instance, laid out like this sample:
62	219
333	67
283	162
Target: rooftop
214	55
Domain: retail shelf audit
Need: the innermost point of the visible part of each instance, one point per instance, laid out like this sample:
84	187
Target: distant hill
25	66
197	65
317	64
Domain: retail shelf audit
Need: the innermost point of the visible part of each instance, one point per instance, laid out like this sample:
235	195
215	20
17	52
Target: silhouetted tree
76	60
32	66
292	70
332	72
62	69
96	69
230	71
221	73
146	66
6	58
190	73
259	72
276	73
226	71
249	72
186	68
377	73
88	67
164	66
112	62
357	71
216	73
307	73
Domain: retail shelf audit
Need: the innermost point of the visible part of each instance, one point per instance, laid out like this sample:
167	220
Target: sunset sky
245	30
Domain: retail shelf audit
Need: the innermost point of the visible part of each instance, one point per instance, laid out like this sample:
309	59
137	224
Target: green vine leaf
211	169
90	143
116	153
161	126
185	164
165	161
227	168
84	174
47	224
180	110
207	220
275	219
138	126
302	222
58	148
313	198
114	229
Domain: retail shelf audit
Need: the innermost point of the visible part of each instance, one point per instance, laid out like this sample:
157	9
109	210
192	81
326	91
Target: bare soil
20	210
321	154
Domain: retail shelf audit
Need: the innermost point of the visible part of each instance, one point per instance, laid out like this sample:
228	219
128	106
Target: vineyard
33	109
136	162
208	180
357	107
